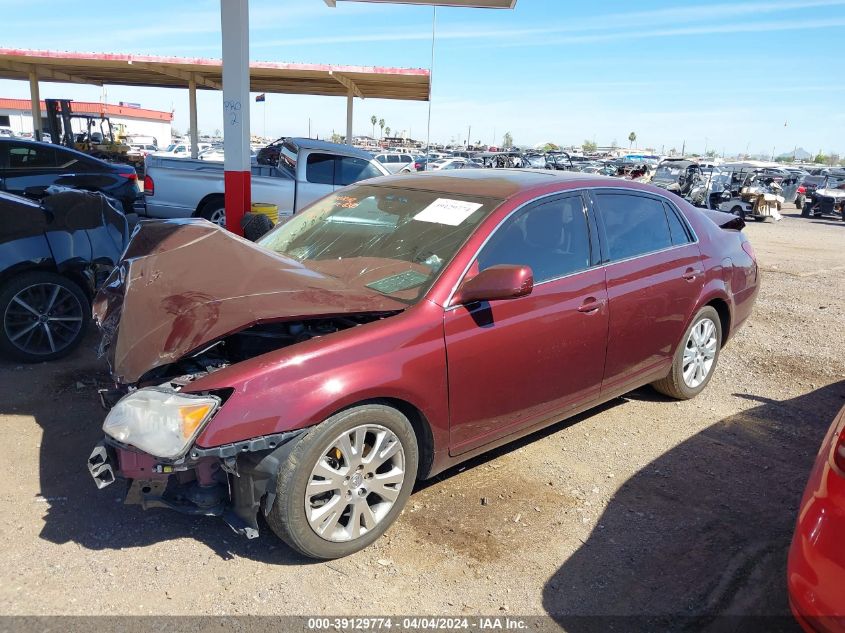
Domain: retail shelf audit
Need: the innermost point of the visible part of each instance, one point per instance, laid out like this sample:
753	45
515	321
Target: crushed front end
171	316
149	445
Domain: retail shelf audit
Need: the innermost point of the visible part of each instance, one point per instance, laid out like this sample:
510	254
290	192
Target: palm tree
374	120
381	125
387	131
631	138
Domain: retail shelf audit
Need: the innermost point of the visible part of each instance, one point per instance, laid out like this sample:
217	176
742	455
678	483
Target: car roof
310	143
27	141
492	183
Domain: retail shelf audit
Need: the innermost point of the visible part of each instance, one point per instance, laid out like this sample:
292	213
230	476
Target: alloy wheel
700	353
218	217
355	483
43	319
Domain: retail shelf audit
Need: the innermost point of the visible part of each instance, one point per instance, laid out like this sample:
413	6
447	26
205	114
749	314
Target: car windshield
393	241
834	182
170	148
667	172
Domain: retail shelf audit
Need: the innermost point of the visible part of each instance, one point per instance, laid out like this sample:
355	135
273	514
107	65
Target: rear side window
354	169
320	169
633	225
392	158
31	157
405	158
677	229
66	160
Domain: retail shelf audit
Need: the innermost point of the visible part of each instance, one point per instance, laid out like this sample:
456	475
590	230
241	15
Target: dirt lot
646	506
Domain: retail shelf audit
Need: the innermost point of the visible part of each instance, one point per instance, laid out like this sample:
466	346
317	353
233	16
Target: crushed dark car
53	257
677	176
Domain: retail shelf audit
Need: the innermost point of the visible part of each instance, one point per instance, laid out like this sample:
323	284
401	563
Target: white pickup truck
306	171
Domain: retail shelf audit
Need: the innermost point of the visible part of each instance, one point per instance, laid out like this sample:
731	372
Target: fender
303	384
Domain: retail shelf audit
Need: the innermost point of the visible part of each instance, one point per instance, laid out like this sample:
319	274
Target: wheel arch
211	197
723	309
419	422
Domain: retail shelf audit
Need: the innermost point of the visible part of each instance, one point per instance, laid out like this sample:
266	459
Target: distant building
17	115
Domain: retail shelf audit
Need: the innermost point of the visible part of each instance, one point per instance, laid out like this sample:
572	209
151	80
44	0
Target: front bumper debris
234	482
101	466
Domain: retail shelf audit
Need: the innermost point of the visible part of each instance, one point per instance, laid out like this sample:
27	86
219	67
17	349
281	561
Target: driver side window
551	237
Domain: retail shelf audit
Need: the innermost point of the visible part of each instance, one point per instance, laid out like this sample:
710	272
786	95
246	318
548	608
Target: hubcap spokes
699	353
43	319
355	483
219	217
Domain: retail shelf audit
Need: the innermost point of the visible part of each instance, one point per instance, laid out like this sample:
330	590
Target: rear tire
214	211
805	210
690	351
296	514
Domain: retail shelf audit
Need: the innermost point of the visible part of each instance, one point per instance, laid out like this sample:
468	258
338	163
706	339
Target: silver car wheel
43	319
699	353
218	217
355	483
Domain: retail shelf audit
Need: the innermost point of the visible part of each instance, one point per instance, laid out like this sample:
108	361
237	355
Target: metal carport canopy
366	82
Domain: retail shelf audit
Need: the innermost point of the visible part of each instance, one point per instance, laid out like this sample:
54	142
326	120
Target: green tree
631	138
507	140
387	131
820	159
381	125
374	120
337	138
589	147
550	147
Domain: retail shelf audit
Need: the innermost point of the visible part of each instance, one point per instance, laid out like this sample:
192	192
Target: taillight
746	246
129	175
802	189
149	186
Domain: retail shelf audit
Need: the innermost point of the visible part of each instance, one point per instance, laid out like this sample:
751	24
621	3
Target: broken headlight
158	421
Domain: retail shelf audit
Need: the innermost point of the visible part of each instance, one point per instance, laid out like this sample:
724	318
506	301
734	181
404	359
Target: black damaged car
54	255
828	198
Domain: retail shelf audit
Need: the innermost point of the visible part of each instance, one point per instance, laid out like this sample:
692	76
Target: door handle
590	305
691	273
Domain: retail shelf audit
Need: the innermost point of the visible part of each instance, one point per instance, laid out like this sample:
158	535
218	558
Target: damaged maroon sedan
394	329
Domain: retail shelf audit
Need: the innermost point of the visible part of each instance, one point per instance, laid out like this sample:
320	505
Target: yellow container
265	208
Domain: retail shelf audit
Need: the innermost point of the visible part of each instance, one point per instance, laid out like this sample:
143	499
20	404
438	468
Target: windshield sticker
346	202
446	211
397	283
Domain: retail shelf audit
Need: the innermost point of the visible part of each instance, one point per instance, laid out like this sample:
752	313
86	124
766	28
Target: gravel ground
644	506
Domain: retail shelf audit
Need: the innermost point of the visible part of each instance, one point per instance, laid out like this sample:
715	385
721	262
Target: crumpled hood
185	283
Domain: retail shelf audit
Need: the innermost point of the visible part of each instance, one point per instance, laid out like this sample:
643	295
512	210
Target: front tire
345	482
43	316
696	357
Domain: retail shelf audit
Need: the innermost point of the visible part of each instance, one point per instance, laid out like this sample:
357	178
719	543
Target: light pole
467	4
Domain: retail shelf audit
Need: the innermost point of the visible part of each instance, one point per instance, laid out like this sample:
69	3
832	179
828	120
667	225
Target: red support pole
234	19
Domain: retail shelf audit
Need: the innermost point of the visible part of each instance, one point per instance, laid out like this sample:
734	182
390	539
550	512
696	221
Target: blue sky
729	76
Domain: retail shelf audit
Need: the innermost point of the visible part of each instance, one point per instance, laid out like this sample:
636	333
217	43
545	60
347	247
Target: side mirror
504	281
